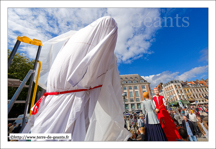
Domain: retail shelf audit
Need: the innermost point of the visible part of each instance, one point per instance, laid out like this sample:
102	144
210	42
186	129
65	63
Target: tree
18	69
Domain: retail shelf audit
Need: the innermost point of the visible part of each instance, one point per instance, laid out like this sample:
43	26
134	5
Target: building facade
199	91
174	91
193	91
133	86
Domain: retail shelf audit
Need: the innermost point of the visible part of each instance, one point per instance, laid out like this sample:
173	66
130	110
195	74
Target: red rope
36	106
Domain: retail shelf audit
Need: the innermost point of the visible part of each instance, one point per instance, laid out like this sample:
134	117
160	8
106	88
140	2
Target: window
134	81
131	78
126	78
131	100
136	93
138	106
125	93
132	106
130	87
141	81
126	100
137	100
126	106
129	81
121	79
125	88
124	82
131	94
135	77
135	87
143	86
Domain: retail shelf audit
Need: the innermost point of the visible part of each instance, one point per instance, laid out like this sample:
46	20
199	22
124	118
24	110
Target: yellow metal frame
29	41
35	87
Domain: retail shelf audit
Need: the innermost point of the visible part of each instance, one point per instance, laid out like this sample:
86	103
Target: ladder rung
18	101
14	119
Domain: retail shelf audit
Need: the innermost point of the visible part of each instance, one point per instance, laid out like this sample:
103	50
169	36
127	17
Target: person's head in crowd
199	118
183	134
142	130
10	124
141	117
190	112
14	123
185	118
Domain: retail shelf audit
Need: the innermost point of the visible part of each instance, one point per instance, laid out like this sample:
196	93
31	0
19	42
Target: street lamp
124	95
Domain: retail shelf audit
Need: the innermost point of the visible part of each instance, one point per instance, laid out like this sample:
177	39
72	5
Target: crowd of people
191	122
159	122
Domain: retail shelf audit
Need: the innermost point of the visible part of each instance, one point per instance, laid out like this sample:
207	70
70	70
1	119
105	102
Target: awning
174	103
185	101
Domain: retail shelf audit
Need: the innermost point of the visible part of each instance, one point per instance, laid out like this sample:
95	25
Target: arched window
124	82
129	81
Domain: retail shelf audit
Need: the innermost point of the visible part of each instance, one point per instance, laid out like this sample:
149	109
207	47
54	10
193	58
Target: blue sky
150	41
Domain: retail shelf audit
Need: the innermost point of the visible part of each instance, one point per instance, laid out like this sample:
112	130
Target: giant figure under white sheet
86	60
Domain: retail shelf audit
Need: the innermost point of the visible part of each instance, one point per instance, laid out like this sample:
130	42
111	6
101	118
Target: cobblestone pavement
202	139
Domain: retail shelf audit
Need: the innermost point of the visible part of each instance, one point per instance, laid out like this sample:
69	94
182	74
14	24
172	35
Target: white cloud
161	77
134	38
204	55
167	76
192	73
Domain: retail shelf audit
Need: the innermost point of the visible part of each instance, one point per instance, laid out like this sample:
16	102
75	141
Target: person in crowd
183	134
203	127
134	123
128	124
182	112
191	131
166	121
203	114
178	118
125	122
197	108
186	113
141	136
206	110
133	137
153	129
141	122
12	127
193	119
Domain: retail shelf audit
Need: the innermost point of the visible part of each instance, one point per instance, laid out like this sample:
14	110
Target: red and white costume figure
165	119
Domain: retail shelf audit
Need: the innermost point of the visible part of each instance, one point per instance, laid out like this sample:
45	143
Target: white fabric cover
48	54
86	60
